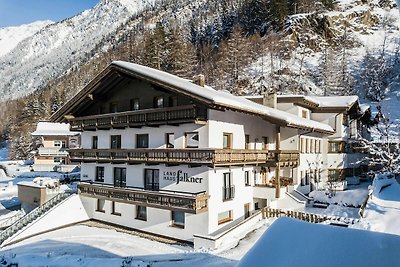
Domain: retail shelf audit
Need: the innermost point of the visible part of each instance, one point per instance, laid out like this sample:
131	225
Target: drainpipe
278	164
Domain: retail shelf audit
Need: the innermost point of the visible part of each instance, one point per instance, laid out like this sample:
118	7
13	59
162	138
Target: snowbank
382	212
289	242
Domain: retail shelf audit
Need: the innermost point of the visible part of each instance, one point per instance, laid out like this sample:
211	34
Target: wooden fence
304	216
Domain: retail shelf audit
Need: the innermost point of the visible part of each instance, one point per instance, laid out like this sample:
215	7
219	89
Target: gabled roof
206	95
45	128
320	103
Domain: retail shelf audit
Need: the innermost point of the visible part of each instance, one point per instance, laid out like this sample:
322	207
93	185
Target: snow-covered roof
223	98
364	107
45	128
325	101
321	245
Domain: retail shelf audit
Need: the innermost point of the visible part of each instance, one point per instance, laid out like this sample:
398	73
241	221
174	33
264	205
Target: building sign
181	177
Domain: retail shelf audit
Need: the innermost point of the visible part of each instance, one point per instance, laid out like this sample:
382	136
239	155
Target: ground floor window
100	205
178	219
225	216
141	213
115	209
336	175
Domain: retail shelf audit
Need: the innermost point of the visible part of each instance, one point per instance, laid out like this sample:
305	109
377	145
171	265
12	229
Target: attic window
304	114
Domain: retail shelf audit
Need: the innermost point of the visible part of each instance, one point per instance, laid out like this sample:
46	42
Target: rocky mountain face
243	46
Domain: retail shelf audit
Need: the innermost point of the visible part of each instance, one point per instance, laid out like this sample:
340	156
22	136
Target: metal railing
32	216
228	193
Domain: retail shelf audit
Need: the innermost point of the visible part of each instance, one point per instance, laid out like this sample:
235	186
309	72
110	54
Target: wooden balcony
171	200
139	118
286	158
209	157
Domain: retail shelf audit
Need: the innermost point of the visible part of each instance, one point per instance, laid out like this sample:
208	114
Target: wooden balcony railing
210	157
163	199
139	118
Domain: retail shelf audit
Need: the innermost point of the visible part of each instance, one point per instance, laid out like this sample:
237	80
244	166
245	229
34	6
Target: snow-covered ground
354	196
382	212
90	246
290	242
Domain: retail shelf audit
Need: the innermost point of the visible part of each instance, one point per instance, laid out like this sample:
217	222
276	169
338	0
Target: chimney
199	80
270	100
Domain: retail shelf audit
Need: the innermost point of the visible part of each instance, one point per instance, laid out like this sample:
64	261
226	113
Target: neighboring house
55	139
175	157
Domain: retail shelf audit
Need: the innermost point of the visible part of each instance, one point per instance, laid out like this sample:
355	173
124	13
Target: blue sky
17	12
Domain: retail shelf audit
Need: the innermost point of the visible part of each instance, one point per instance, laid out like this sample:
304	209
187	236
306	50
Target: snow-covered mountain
44	51
10	37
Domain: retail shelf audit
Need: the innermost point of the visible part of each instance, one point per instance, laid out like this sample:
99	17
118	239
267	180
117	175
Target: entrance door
263	173
119	177
246	210
151	179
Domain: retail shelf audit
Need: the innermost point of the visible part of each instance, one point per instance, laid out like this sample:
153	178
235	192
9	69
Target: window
319	146
307	147
113	107
265	143
142	140
192	140
115	141
169	140
227	141
173	101
304	114
178	219
228	191
336	175
247	141
99	174
158	102
119	177
100	205
311	146
135	104
59	160
115	210
301	145
95	142
141	213
151	179
246	178
225	216
336	147
345	119
316	146
60	144
307	178
302	179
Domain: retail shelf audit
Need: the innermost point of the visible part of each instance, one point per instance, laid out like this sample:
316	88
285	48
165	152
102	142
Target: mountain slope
10	37
52	51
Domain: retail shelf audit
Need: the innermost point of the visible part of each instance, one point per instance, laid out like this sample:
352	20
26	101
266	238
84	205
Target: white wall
156	136
135	175
158	220
239	124
243	194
